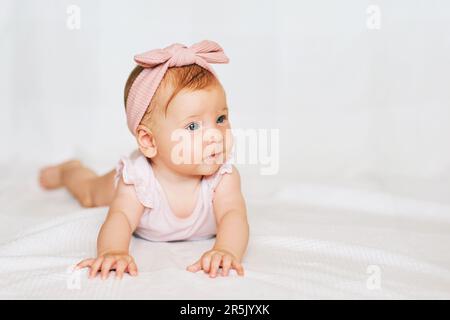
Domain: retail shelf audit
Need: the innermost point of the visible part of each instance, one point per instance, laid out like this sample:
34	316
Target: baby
179	184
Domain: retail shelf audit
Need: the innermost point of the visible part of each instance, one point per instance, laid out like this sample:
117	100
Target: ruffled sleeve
135	170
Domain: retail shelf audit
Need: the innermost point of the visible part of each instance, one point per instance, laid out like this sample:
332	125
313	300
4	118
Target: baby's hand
119	261
213	259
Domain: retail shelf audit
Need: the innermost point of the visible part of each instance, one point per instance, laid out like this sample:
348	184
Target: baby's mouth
213	156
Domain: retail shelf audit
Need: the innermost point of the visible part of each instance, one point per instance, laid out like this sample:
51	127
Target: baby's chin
207	169
203	169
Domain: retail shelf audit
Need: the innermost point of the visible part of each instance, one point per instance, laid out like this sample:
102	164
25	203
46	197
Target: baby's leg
102	189
84	184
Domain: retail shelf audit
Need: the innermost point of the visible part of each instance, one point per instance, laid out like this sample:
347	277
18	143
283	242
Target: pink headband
156	62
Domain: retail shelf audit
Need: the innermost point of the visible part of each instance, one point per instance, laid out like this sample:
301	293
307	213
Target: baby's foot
50	177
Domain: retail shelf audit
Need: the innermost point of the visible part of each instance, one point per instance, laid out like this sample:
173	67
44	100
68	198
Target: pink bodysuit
158	222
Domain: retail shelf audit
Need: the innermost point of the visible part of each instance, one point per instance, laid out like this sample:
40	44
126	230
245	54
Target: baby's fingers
121	265
195	266
215	264
106	267
132	268
206	263
95	267
226	265
238	266
85	263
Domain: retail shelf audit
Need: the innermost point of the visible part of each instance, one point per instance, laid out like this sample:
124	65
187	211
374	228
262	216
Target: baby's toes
50	177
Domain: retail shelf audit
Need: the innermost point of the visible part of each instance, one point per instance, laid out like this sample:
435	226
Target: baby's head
186	120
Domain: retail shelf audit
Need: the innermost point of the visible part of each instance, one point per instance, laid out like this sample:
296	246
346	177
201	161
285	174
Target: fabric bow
179	55
156	62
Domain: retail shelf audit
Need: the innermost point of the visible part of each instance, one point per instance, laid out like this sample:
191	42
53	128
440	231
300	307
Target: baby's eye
192	126
221	119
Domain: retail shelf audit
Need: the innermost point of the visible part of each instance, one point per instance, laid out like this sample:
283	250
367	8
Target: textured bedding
308	240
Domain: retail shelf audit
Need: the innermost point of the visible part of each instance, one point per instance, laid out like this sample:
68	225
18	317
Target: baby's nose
213	135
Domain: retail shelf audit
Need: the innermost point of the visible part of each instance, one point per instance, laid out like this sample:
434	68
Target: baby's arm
114	238
233	230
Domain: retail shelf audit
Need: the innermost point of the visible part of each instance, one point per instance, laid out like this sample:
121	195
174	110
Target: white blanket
307	241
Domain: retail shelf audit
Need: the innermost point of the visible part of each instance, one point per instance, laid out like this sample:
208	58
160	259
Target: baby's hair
192	77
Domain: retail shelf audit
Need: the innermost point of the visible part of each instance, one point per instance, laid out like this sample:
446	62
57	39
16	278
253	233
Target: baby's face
194	137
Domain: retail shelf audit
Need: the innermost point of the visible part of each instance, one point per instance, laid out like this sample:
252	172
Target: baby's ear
146	141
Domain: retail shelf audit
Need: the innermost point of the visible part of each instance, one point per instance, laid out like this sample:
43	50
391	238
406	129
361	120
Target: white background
363	116
351	103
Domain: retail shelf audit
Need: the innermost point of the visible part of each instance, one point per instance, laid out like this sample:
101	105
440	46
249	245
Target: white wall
350	102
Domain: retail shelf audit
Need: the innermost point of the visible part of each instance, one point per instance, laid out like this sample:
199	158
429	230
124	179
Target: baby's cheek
196	150
229	141
182	151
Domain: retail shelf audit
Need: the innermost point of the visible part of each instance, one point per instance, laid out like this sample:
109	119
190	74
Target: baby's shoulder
136	161
232	179
135	169
227	175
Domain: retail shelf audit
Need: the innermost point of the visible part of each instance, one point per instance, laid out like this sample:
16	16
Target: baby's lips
214	154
